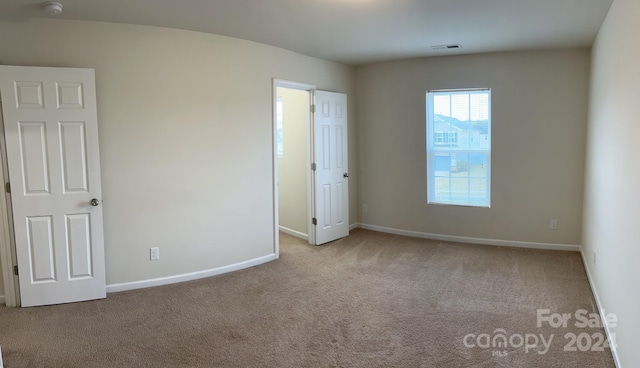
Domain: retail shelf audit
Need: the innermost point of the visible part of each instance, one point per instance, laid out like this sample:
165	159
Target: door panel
34	160
74	156
79	246
41	252
51	134
332	167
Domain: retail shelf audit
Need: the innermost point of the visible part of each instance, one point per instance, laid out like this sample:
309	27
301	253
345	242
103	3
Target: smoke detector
52	8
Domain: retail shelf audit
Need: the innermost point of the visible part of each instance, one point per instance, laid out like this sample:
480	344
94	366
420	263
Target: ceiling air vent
447	47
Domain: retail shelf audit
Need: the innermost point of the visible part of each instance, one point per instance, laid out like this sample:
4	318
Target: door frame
310	88
8	246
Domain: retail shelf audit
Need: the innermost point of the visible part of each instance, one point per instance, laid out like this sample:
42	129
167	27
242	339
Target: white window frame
434	148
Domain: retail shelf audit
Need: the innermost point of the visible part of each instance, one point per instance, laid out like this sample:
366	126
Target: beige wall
539	110
292	166
185	123
611	201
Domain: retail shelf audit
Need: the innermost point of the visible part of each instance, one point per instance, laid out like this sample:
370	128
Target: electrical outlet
553	224
593	257
155	253
365	208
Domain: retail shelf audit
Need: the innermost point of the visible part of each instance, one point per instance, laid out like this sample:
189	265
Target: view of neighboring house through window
459	147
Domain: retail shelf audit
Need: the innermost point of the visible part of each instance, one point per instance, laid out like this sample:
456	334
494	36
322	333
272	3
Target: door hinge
15	270
313	166
313	109
7	187
314	221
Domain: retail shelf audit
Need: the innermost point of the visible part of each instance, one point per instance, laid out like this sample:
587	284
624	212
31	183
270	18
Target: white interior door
332	167
51	133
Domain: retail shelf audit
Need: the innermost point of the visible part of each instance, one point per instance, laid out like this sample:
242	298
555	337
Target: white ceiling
355	31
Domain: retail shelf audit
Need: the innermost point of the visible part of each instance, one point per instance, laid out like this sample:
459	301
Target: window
279	141
459	147
446	138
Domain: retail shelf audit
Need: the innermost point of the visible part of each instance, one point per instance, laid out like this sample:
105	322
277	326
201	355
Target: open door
51	133
331	167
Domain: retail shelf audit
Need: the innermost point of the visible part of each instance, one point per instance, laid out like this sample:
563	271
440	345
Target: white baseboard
189	276
2	300
463	239
303	236
292	232
601	311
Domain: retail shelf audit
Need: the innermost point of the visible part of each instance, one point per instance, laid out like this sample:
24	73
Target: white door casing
332	167
51	133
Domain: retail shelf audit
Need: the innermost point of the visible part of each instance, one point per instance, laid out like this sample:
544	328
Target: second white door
332	167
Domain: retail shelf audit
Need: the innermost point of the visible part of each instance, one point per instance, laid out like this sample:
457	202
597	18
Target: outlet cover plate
154	253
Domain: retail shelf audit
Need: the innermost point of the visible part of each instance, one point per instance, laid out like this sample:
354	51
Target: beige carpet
369	300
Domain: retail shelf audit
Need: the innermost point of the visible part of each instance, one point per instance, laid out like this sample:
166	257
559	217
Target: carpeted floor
369	300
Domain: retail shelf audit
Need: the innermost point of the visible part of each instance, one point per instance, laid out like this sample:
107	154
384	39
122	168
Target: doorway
326	163
292	131
292	159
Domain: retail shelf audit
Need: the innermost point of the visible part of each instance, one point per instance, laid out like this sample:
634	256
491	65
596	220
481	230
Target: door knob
95	202
346	175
